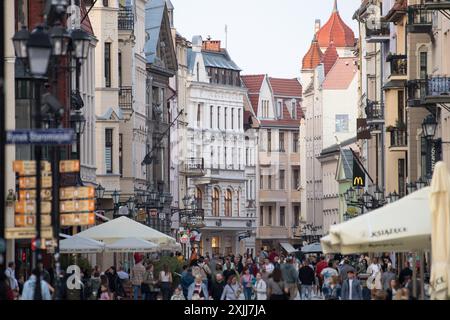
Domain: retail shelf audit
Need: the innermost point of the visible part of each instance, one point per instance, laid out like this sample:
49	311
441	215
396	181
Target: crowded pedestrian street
228	151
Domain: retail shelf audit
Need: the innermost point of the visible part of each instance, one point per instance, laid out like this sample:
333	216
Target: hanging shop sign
30	207
67	166
77	205
30	182
78	219
71	193
28	168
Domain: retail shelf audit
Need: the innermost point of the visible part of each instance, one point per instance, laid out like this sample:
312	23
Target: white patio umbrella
401	226
77	244
132	245
440	235
312	248
123	227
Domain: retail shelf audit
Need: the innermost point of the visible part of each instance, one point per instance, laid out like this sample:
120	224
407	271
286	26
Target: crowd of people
268	276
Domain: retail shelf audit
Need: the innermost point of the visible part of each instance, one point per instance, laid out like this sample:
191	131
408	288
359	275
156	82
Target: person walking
405	274
387	277
178	294
217	287
276	287
269	267
392	290
290	276
334	289
198	288
322	264
351	287
327	275
233	290
186	280
374	280
30	284
95	282
307	280
260	287
137	278
228	270
345	268
247	281
10	274
148	286
165	281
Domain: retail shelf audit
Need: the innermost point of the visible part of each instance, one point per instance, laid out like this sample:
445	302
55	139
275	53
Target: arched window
238	204
215	202
228	203
199	198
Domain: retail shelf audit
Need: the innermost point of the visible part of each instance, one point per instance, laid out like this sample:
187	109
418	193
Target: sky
264	36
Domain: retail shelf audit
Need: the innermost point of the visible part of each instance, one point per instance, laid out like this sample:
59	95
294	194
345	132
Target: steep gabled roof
286	87
336	30
86	24
253	83
341	74
313	57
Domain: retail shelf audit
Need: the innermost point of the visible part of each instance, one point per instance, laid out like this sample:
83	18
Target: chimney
317	26
211	45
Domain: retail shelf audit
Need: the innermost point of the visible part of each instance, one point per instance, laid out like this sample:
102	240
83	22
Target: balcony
420	20
422	92
126	99
398	138
125	18
399	65
193	167
437	4
378	32
397	11
374	112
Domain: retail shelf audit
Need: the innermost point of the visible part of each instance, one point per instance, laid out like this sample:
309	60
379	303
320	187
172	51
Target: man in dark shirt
217	287
307	280
405	274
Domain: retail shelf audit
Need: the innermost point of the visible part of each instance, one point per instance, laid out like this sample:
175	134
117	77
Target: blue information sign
41	136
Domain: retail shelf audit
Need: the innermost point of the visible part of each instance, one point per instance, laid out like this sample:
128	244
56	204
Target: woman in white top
260	287
374	280
165	280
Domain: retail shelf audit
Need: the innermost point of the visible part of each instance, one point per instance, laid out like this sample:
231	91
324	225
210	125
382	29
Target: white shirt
261	290
10	273
350	281
269	267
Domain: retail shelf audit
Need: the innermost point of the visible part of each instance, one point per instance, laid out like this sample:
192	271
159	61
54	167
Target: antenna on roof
226	36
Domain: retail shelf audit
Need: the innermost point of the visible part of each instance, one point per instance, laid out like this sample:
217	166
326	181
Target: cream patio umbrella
77	244
131	244
400	226
440	234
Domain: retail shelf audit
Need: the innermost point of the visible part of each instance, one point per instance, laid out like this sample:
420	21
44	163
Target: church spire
335	8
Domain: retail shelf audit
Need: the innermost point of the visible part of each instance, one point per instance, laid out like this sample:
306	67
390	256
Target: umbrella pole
422	276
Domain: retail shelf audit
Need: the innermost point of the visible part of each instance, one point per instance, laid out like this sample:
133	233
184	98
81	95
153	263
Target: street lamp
351	193
20	41
411	187
429	125
39	50
78	122
80	41
99	191
395	196
60	39
186	201
367	198
116	197
421	183
131	203
379	195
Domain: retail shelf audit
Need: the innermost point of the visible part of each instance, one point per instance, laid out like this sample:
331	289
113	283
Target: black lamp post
99	193
20	41
39	50
116	199
429	126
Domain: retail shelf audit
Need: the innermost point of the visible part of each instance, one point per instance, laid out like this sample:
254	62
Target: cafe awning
288	247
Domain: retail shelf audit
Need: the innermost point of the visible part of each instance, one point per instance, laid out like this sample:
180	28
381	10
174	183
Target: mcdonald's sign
359	177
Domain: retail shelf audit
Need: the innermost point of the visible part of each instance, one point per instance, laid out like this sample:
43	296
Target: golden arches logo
358	181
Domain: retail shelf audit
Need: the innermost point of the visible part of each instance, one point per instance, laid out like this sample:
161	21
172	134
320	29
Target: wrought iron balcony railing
437	4
398	137
429	91
420	20
126	98
399	65
378	32
125	18
374	111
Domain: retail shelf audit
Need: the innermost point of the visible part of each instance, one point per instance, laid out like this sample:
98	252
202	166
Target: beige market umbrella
440	234
400	226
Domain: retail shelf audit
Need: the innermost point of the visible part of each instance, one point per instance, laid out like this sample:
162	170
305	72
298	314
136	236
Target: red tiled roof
329	57
254	100
341	74
313	57
86	24
336	30
286	87
253	82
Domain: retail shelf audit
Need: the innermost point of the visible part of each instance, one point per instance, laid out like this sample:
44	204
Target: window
199	198
211	111
232	118
261	182
282	216
269	219
246	156
199	114
401	106
261	216
120	68
295	179
296	215
226	114
280	109
423	65
295	142
401	177
228	203
218	117
269	141
226	154
106	3
270	182
282	185
239	119
215	202
281	141
120	154
238	203
109	150
107	64
342	123
294	109
215	245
